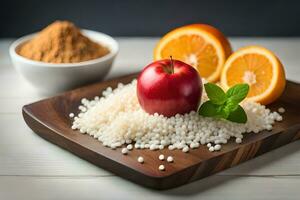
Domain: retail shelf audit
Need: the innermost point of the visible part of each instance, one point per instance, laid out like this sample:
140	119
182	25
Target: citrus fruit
200	45
258	67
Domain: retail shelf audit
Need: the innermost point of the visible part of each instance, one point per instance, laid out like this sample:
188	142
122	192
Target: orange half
200	45
258	67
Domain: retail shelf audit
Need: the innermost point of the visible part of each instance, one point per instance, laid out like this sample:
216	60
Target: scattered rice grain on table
116	119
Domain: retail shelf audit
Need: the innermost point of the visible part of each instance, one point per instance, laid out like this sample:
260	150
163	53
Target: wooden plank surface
23	155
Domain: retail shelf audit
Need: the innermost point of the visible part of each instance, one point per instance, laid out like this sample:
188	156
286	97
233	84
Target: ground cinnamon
62	42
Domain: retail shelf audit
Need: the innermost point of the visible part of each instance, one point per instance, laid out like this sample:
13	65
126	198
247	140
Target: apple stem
172	65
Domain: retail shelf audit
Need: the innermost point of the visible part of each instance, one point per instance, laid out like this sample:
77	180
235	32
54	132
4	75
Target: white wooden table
32	168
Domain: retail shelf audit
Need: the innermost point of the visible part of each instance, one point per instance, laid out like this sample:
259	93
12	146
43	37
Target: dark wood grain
49	119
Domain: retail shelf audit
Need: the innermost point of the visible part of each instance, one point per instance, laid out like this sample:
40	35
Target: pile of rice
116	119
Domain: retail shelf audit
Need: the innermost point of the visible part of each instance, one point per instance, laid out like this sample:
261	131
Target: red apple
169	87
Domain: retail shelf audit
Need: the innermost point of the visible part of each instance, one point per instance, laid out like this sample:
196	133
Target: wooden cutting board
50	119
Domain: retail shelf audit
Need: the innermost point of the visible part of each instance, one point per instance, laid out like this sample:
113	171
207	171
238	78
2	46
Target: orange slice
200	45
258	67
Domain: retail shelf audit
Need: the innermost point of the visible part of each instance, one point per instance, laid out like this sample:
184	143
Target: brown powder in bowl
61	42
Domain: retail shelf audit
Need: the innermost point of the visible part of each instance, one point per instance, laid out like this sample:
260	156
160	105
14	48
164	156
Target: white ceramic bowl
51	77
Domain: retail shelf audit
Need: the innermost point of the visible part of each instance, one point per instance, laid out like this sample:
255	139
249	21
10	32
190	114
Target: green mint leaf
215	94
225	105
238	115
230	106
237	93
209	109
223	112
